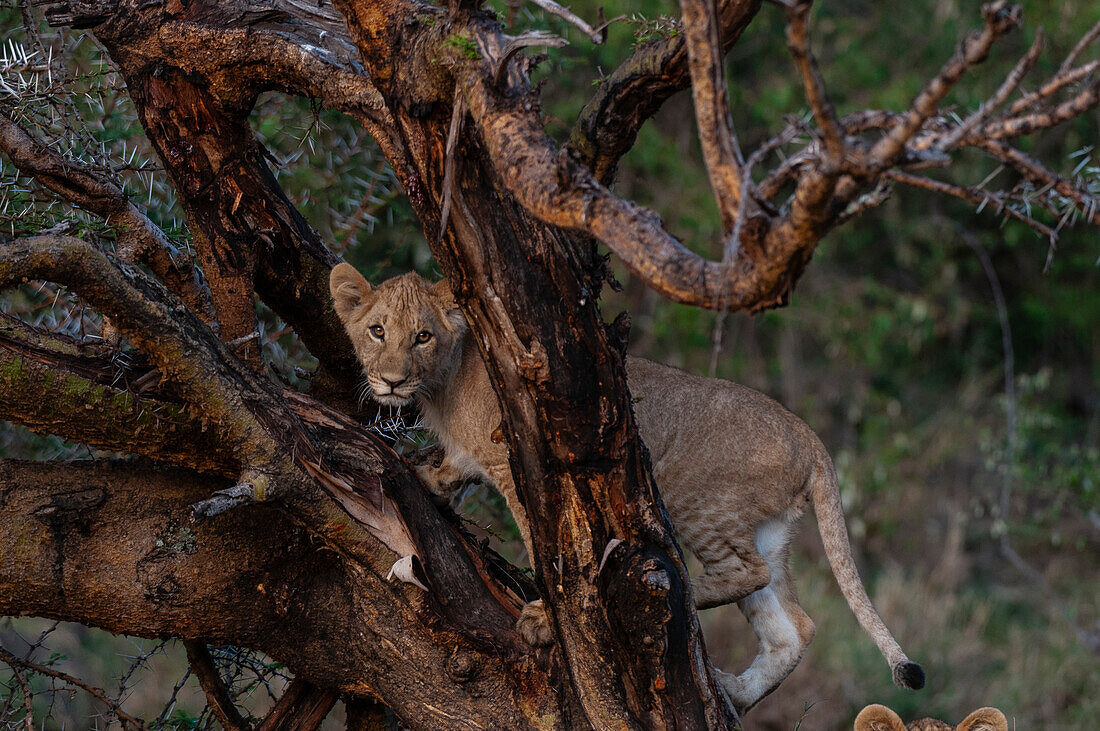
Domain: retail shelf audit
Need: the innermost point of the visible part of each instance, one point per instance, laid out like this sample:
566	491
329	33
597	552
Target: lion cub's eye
422	337
377	331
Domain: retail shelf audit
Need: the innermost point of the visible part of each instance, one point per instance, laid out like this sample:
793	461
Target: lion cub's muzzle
391	391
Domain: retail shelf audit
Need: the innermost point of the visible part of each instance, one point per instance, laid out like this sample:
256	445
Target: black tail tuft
908	675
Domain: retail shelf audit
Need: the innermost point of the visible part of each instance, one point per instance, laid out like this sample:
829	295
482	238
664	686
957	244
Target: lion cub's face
406	331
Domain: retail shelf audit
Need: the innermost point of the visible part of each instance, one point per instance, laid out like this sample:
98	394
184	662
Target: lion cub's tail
834	534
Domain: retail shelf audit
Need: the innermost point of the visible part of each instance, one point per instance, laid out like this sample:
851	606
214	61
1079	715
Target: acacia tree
293	515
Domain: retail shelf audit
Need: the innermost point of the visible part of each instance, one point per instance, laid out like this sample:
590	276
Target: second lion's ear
348	288
984	719
878	718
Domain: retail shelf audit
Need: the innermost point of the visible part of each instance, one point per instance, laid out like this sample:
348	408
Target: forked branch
19	663
139	239
180	345
999	20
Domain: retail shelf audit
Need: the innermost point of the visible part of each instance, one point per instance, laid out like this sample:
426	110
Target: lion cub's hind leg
782	629
732	569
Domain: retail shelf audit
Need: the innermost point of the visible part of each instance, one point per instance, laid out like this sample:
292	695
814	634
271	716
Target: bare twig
1086	40
1087	203
171	704
596	35
28	697
999	97
124	718
1019	126
876	197
822	107
1057	82
999	19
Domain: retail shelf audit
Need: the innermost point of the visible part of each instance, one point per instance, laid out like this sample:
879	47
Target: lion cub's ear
878	718
441	291
348	288
984	719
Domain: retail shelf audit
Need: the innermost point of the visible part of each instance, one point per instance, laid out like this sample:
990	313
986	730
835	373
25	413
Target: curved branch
721	152
560	191
139	238
608	124
180	346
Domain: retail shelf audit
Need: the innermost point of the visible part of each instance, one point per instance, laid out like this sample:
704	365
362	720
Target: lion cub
881	718
734	510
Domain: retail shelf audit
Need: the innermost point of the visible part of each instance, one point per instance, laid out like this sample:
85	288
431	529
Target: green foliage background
891	349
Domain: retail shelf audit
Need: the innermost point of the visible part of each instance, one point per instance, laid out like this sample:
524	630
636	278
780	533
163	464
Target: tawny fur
881	718
733	501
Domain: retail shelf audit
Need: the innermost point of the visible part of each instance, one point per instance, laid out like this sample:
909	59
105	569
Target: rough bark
529	293
112	546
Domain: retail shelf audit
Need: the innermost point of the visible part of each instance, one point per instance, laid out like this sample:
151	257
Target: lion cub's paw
733	688
533	625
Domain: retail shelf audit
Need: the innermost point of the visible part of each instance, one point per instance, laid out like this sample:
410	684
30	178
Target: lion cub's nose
394	382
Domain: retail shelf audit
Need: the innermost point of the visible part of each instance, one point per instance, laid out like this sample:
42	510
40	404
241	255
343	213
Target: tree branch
217	695
798	12
721	152
980	198
999	19
303	707
139	239
17	662
175	340
608	124
109	545
999	97
45	378
1034	171
1026	124
596	35
211	60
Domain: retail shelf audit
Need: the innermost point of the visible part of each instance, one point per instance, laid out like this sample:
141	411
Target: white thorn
403	569
607	552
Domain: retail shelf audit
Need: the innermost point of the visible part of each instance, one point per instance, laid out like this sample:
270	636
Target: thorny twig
124	718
